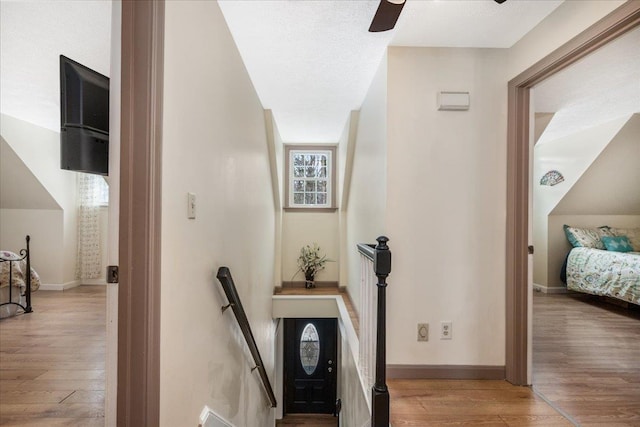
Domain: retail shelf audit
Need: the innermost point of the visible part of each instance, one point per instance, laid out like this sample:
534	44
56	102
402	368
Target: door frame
138	401
617	23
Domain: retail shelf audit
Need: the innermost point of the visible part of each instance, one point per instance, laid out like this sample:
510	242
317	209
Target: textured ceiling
599	88
311	62
33	34
469	23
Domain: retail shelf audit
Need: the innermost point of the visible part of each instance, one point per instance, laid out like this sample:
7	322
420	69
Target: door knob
330	369
330	362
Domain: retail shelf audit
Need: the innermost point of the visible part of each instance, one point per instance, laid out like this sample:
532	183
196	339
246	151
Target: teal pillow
617	243
587	237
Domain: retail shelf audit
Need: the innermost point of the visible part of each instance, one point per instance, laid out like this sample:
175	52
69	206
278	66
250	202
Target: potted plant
310	262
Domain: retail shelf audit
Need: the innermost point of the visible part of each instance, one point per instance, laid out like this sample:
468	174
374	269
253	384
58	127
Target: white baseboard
59	286
550	289
101	282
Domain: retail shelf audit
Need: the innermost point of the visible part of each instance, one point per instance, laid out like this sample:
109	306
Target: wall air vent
453	101
208	418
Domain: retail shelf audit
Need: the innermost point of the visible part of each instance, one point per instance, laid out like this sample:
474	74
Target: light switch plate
191	206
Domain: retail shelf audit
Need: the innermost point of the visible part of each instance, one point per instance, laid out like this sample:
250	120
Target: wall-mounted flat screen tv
84	118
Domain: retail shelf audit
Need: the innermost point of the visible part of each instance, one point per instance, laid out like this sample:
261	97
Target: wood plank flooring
586	358
308	420
586	361
52	361
480	402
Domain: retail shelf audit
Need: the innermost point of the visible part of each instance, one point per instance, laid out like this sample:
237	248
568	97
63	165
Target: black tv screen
84	118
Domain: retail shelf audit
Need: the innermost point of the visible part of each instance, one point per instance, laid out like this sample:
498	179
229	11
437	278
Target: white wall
305	228
277	169
445	184
366	209
39	149
572	155
46	230
611	185
19	188
214	145
446	198
343	145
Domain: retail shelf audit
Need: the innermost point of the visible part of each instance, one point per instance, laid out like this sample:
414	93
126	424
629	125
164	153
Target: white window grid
310	178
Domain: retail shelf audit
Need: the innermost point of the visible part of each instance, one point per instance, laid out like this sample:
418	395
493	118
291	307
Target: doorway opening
518	291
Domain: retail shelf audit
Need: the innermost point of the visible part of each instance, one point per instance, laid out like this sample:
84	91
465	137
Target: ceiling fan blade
386	16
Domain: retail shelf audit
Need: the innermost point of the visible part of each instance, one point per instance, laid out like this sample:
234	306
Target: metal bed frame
24	255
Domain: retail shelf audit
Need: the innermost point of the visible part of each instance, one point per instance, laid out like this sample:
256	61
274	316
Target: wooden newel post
380	393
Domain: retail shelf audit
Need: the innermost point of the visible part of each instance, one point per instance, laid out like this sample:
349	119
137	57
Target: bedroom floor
586	358
52	361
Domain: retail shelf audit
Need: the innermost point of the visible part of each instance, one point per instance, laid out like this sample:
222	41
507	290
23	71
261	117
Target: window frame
289	151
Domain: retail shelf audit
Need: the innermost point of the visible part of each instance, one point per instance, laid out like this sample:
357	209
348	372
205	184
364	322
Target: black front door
310	366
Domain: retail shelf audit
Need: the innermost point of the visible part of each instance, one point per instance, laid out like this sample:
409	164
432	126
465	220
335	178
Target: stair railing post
380	392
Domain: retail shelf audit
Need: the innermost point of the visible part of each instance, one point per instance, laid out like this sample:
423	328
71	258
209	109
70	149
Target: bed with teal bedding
607	273
604	261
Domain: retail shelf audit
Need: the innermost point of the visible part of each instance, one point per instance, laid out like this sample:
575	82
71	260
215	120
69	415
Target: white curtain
90	195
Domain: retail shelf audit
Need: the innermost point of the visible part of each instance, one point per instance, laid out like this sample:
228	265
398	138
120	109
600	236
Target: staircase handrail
224	276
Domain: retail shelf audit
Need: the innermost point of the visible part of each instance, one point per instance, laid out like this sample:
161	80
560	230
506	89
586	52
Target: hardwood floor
586	358
429	403
586	361
52	361
308	420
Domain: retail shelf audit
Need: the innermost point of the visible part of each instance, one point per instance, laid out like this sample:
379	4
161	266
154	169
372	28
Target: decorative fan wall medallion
551	178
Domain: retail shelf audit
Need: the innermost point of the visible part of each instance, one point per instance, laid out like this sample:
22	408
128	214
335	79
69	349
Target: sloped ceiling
601	87
19	188
33	34
611	185
312	62
469	23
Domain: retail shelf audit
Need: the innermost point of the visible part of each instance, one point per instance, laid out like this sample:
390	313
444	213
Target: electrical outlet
446	330
423	332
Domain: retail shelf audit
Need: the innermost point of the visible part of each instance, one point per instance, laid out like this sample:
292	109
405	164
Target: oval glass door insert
309	348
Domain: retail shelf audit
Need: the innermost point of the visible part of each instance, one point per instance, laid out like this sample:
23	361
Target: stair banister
380	255
224	276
